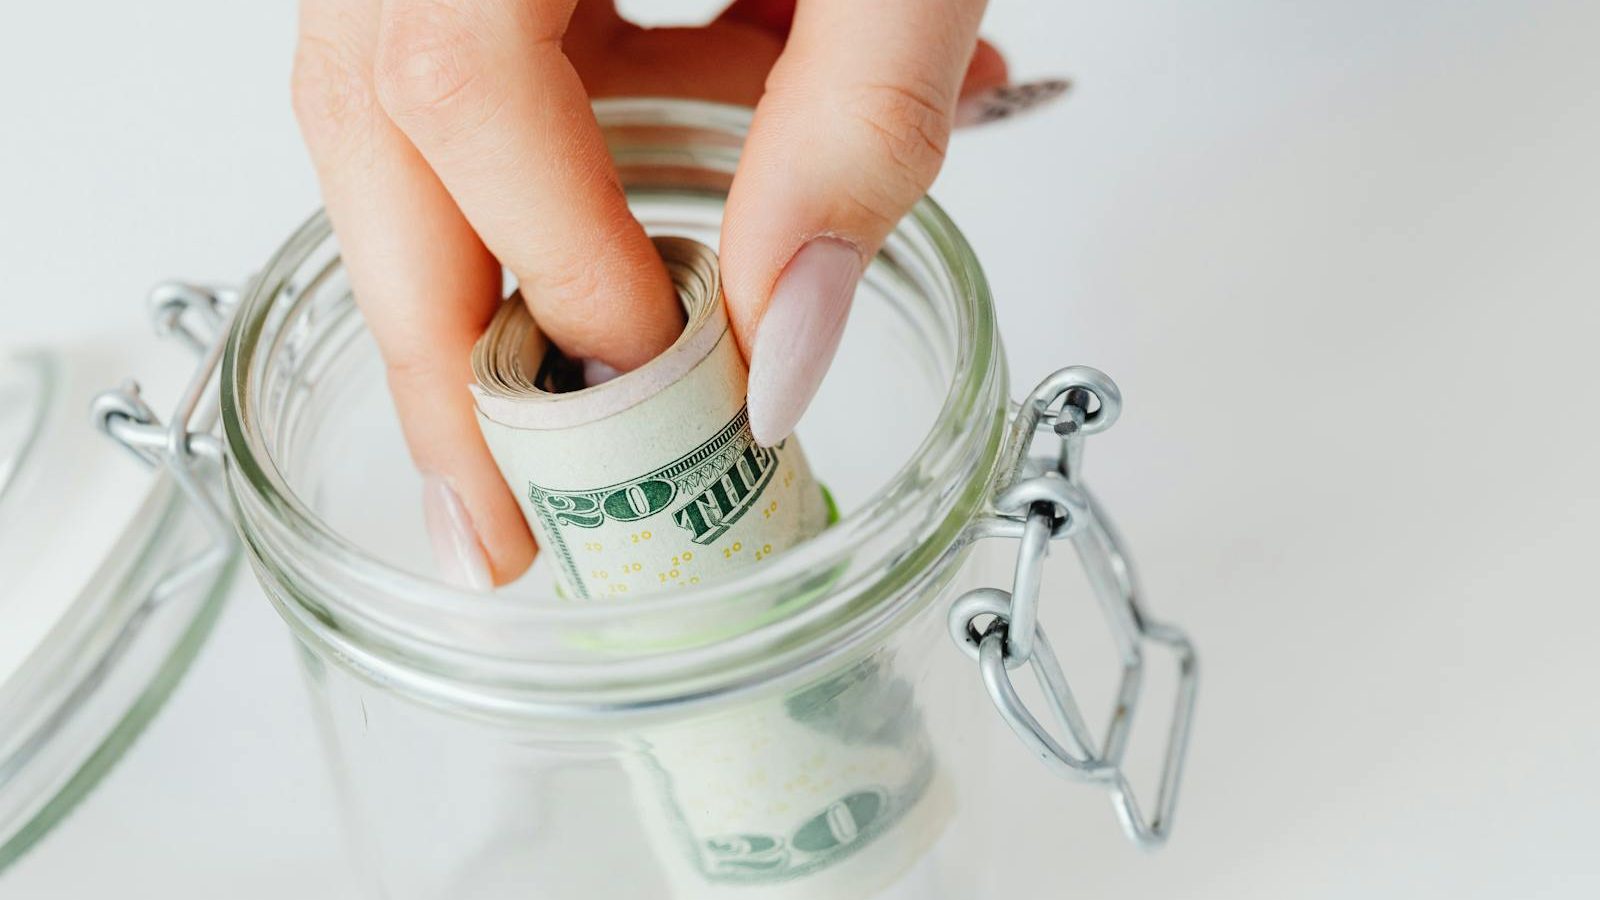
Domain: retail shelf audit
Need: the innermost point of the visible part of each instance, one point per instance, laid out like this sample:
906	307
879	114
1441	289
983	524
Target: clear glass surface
800	730
26	380
111	583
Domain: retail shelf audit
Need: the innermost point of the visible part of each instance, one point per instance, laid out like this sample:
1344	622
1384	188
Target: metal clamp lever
1045	500
185	447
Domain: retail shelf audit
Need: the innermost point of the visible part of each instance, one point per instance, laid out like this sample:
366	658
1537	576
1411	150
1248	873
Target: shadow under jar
803	729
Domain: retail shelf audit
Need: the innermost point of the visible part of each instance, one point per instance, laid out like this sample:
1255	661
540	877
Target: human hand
452	137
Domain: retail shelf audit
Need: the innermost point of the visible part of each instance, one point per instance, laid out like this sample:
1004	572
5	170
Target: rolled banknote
831	792
650	481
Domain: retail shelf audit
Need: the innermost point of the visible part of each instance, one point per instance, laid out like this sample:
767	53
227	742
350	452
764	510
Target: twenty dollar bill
650	480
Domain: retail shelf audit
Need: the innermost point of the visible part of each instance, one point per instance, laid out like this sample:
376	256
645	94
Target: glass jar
802	729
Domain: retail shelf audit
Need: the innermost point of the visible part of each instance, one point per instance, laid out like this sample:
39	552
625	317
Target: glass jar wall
805	729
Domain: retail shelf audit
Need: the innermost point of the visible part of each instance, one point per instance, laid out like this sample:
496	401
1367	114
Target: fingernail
596	372
1008	101
799	334
456	550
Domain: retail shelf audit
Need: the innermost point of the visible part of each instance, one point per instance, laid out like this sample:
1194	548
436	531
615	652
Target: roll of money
650	480
831	792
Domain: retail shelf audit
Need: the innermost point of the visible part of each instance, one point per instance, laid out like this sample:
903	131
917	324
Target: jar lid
96	631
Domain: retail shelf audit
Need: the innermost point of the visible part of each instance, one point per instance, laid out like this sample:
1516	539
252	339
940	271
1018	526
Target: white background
1343	259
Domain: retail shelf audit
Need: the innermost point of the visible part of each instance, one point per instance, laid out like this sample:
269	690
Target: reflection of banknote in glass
651	481
830	792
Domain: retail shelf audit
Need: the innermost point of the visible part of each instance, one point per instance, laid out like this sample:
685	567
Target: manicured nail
799	334
1008	101
456	550
596	372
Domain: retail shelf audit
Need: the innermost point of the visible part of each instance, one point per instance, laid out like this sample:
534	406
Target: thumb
849	135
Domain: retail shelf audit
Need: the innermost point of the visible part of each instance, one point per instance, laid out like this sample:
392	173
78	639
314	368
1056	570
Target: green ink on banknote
722	478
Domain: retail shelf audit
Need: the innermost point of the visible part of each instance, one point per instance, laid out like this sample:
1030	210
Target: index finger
483	90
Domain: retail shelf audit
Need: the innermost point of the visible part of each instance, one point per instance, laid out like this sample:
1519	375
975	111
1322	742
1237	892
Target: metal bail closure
1045	500
184	447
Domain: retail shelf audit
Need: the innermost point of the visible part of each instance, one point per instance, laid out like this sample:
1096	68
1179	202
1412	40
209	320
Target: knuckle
412	368
907	126
429	57
568	284
329	88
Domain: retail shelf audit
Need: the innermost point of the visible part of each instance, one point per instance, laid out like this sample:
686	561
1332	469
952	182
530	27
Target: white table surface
1342	259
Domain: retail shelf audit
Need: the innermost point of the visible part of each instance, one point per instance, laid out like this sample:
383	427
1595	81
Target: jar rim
291	542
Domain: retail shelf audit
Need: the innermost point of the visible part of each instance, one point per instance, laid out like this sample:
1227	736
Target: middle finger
484	91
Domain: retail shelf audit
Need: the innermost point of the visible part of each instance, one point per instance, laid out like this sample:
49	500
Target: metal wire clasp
184	447
1044	500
